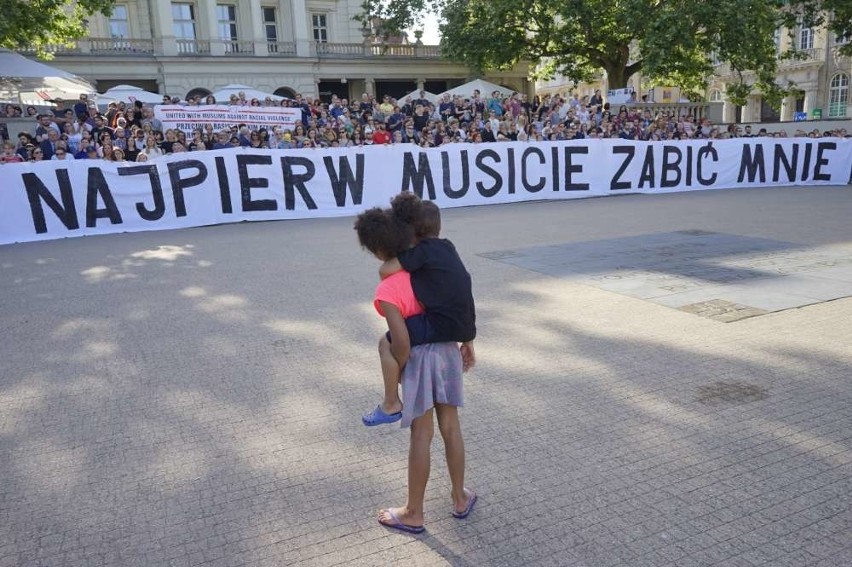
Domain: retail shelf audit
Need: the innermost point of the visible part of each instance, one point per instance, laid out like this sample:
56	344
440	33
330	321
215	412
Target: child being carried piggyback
443	309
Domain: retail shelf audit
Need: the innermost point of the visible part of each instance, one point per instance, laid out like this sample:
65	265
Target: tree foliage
669	41
38	24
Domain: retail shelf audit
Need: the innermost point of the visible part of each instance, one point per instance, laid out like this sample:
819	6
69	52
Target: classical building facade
313	47
820	74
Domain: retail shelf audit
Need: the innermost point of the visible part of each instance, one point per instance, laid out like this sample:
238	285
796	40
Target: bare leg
448	424
422	431
390	376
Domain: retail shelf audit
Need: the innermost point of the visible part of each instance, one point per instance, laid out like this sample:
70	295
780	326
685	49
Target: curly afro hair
424	217
382	233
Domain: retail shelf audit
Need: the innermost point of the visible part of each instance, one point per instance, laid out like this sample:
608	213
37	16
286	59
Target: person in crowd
9	153
107	151
167	144
49	143
62	154
37	154
83	149
46	124
151	149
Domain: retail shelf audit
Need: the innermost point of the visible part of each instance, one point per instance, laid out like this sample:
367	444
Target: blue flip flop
397	524
378	417
471	501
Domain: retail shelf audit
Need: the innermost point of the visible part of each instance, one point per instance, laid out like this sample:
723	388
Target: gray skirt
432	375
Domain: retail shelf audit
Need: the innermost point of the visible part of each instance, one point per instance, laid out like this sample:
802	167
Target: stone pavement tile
212	410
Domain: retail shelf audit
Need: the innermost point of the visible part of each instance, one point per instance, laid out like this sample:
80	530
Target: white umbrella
222	95
24	81
484	87
129	93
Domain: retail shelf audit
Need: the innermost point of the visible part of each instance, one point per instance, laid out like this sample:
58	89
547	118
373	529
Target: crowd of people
131	132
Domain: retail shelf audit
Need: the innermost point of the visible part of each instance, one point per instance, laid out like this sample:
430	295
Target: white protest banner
40	201
189	118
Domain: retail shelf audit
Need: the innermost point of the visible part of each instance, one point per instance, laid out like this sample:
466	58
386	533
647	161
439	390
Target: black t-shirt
420	121
441	283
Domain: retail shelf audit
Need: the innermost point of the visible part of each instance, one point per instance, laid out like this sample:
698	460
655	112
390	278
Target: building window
183	16
226	15
270	24
320	25
715	95
118	23
838	95
841	39
776	38
806	38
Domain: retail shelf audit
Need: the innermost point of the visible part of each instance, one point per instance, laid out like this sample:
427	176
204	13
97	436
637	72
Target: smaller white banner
189	118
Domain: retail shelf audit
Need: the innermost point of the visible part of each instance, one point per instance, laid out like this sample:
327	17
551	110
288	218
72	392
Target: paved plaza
661	380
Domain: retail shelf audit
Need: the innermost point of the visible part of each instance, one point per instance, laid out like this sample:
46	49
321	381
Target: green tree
669	41
38	24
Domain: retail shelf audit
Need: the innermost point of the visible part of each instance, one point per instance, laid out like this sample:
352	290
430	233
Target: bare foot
393	408
391	516
462	506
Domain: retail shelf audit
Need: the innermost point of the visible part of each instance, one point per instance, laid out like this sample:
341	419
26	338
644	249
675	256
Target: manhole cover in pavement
723	392
725	277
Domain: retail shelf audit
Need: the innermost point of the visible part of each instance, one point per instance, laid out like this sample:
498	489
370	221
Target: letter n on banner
38	192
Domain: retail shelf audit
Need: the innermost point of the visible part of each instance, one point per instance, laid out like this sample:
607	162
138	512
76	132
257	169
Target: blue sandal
471	502
379	417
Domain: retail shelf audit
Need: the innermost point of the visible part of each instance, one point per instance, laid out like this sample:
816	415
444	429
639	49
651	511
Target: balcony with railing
121	46
238	47
109	46
116	47
193	46
281	48
361	50
803	58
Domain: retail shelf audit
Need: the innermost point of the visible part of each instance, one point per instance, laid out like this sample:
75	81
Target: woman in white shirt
151	150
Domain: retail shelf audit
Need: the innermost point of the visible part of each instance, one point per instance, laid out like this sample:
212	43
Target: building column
729	112
810	100
164	28
258	34
751	113
370	86
301	28
421	82
211	24
788	109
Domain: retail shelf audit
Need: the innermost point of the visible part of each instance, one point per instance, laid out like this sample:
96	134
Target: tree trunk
616	76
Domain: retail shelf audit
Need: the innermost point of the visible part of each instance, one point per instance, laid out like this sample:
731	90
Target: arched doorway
202	92
286	92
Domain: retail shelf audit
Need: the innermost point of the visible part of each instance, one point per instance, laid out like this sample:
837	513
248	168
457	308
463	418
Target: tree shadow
183	410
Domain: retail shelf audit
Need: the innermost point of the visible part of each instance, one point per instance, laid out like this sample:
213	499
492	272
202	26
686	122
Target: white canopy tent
222	95
484	87
129	93
414	95
24	81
